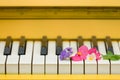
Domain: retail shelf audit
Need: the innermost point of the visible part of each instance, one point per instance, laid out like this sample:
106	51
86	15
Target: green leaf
114	58
117	57
109	53
111	56
106	57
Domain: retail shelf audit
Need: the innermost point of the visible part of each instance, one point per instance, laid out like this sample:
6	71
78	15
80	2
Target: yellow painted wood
60	13
60	77
59	3
65	28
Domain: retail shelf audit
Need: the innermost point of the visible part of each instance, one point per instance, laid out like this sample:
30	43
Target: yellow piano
50	22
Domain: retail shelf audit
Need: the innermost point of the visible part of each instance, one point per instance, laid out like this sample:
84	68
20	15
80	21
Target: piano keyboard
41	56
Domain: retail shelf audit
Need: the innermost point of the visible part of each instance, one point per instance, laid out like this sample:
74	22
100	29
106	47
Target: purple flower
66	53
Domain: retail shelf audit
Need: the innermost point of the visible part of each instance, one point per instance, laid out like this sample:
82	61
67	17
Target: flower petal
76	58
95	51
92	50
84	50
65	53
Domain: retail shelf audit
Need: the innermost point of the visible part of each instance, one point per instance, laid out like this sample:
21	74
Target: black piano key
95	45
58	45
44	47
22	46
8	46
109	47
94	42
109	44
80	41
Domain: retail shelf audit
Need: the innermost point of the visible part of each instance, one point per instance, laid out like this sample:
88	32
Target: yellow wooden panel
60	77
65	28
59	13
59	3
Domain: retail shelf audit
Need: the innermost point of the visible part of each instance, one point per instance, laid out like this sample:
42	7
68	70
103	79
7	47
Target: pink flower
93	54
77	58
84	51
81	54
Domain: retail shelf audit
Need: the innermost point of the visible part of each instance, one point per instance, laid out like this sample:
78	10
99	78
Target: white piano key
12	60
2	57
25	60
38	60
90	66
51	58
115	65
116	48
88	44
64	65
77	66
103	65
